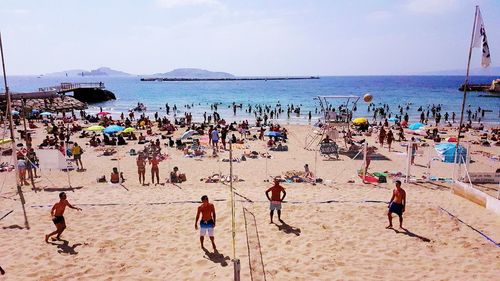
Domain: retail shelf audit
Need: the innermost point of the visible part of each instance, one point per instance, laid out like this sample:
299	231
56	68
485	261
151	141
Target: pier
228	79
71	87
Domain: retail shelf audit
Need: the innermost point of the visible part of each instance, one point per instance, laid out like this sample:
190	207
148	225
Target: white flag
480	40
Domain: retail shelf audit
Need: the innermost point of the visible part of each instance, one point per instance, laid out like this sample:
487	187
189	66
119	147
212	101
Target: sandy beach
333	230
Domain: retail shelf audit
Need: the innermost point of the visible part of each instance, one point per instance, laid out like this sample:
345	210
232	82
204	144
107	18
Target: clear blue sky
257	37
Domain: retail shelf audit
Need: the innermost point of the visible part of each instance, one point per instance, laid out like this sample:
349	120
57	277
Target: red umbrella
451	139
103	113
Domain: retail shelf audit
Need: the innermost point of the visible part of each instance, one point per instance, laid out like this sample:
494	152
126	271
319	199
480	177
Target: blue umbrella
34	110
45	113
113	129
393	119
416	126
14	112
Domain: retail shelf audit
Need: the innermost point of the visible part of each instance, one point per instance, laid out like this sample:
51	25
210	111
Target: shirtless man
155	170
141	169
207	222
57	213
397	204
276	199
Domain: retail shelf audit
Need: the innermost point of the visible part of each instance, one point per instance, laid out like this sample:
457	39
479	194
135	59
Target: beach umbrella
129	130
94	128
34	110
103	113
393	120
187	134
360	121
416	126
113	129
14	112
45	113
451	139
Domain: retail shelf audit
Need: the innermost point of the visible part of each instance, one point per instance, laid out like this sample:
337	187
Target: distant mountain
490	71
101	71
193	73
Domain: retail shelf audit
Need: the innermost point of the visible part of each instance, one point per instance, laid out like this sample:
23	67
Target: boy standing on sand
57	213
397	204
207	222
276	199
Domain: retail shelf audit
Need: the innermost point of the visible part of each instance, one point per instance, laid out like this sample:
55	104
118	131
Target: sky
258	37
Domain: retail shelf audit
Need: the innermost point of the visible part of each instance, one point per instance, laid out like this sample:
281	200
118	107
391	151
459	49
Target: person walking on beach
207	222
77	155
381	136
215	139
276	198
397	204
141	169
57	213
390	138
414	147
155	170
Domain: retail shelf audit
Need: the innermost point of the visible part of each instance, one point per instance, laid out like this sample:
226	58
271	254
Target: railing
72	86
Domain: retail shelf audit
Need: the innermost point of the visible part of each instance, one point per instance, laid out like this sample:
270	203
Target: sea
414	91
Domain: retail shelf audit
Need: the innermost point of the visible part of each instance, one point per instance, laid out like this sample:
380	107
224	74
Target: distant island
101	71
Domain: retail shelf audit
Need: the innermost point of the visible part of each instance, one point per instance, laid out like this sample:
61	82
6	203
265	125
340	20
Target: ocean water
393	90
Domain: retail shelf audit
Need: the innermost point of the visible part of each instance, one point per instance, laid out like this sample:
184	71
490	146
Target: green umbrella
129	130
95	128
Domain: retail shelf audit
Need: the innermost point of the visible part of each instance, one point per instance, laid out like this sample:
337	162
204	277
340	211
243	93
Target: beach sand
333	231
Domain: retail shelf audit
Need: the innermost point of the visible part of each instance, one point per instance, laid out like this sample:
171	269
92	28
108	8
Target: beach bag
382	179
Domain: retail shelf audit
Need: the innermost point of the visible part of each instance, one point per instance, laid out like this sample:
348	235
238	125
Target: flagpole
465	89
14	150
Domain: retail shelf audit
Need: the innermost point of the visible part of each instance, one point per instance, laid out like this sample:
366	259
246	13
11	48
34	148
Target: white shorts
207	230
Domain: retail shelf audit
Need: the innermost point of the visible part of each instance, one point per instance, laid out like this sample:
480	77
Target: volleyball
368	97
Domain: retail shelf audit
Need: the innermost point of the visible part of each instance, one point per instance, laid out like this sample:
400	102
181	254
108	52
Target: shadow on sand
288	229
216	257
65	248
411	234
14	226
59	189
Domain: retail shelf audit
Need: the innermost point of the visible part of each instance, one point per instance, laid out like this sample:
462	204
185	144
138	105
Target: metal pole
408	161
365	148
14	151
236	262
30	170
465	89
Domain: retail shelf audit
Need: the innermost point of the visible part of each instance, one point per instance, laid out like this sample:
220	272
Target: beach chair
329	150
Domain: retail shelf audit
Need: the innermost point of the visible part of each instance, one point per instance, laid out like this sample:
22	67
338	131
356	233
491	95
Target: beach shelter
45	114
94	128
447	150
187	134
129	130
113	129
416	126
393	120
360	121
